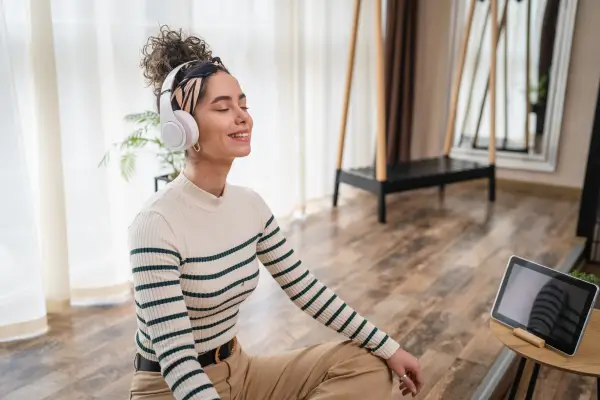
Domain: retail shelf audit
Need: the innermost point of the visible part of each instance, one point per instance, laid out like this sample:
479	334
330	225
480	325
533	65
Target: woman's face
224	123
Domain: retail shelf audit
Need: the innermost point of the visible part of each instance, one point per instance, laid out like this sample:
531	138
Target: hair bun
162	53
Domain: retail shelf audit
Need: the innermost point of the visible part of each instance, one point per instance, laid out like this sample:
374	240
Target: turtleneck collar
198	196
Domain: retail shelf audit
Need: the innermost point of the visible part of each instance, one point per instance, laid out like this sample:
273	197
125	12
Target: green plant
144	135
541	90
586	276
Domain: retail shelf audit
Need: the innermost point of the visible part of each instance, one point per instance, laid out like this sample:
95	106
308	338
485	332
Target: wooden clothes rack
385	179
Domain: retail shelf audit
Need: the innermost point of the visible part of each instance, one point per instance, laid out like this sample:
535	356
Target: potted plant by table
538	108
588	277
145	138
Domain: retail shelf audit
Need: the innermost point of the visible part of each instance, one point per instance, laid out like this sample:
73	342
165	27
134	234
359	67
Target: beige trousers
331	371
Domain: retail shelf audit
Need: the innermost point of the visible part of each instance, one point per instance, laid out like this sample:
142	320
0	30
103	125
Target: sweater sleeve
311	295
155	261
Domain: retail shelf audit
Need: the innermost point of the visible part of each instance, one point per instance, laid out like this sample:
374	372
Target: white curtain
21	290
290	57
510	119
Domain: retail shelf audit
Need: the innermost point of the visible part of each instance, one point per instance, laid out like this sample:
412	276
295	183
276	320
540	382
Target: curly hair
167	50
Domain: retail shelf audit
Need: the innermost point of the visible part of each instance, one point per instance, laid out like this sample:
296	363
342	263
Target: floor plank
427	277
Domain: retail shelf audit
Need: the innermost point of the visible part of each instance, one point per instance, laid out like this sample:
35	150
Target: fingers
417	378
405	390
408	383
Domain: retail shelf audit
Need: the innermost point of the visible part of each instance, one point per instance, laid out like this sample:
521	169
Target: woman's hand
409	370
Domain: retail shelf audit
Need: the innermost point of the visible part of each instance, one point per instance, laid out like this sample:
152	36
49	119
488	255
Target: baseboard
99	296
24	330
535	188
498	379
538	188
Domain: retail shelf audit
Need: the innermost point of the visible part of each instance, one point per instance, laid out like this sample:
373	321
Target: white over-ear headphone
178	128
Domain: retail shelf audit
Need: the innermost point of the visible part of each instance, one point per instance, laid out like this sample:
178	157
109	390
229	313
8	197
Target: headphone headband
167	87
179	130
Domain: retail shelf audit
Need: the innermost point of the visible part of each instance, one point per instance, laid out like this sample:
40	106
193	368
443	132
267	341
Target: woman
195	248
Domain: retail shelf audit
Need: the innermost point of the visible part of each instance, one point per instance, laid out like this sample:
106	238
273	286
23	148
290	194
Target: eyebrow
227	98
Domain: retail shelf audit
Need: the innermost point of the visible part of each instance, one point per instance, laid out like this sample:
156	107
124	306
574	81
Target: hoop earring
197	147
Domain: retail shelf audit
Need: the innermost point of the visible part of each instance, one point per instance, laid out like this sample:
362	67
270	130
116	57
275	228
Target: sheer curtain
290	57
22	307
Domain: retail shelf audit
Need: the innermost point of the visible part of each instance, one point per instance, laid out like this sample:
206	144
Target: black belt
214	356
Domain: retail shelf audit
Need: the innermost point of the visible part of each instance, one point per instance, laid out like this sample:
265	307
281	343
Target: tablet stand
585	362
529	337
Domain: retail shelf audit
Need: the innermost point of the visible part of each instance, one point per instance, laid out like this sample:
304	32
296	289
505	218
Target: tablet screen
545	302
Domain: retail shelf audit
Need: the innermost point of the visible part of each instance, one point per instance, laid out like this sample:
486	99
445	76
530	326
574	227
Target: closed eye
227	109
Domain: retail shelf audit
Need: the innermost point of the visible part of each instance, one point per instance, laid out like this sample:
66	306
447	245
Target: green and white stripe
188	299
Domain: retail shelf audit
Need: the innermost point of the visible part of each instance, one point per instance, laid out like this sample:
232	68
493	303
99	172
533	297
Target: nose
240	119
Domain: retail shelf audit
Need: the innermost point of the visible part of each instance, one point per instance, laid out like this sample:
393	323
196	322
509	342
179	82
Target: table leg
515	385
532	381
598	388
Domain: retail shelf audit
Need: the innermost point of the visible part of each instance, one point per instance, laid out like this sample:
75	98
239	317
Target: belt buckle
217	357
218	350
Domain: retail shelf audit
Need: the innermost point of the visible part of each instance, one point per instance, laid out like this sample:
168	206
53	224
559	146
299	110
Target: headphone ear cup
173	134
190	127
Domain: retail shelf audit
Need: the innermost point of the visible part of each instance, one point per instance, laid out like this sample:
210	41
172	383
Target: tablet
550	304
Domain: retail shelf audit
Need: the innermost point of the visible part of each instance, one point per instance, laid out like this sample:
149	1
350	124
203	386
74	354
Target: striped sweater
195	258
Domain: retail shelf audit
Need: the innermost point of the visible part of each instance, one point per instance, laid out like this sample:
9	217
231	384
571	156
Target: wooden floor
428	277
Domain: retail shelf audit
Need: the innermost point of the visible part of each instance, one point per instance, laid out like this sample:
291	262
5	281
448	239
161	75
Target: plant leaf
146	122
589	277
146	117
105	159
127	165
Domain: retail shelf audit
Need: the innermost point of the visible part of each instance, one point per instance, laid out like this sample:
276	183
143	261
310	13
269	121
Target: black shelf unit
386	177
161	178
588	224
438	171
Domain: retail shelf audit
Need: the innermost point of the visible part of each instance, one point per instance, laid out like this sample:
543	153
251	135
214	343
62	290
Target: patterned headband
185	96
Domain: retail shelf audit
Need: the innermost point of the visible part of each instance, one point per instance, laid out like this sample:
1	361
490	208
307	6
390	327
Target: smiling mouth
240	136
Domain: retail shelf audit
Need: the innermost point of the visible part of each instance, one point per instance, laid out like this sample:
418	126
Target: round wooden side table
585	362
